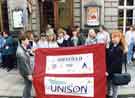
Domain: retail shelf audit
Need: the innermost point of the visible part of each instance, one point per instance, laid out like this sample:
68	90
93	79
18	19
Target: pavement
11	84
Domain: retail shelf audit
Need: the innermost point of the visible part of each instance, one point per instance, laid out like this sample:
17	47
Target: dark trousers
27	88
8	61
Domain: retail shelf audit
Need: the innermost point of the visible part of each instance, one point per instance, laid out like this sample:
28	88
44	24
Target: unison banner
77	72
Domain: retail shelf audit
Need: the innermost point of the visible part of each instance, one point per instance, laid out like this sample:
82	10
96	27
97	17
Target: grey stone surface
130	88
11	84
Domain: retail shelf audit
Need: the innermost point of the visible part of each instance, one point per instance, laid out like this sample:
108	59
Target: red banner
77	72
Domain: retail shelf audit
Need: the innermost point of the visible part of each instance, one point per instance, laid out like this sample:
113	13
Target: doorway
46	14
65	13
58	13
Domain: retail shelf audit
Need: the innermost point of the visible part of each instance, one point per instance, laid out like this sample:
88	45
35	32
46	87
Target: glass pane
129	13
120	19
130	2
121	2
129	22
121	13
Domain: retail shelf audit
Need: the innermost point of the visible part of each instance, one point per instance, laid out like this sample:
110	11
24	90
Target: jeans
112	89
27	88
130	53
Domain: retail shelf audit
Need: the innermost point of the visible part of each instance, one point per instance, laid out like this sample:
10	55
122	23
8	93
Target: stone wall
35	17
31	20
83	12
17	4
77	12
111	14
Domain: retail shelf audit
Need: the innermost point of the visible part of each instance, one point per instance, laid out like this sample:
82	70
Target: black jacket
65	43
114	59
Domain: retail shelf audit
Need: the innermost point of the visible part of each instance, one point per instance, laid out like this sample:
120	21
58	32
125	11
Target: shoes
108	96
9	69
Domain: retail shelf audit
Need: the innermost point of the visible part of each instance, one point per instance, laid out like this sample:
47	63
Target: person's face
74	33
115	40
31	36
50	38
43	38
61	35
92	34
5	35
26	42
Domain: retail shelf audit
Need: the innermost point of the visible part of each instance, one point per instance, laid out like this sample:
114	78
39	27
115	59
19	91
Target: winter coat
114	59
23	61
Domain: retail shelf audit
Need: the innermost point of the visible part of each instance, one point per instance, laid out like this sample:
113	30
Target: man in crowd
23	63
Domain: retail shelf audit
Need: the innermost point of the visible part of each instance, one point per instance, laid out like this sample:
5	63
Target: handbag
121	78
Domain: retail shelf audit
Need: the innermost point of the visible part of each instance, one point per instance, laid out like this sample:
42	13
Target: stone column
1	23
111	14
77	12
35	17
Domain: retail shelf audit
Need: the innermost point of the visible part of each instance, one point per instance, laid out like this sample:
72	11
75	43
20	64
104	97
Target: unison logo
69	89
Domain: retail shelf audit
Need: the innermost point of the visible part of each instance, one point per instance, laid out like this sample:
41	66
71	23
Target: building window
126	14
129	2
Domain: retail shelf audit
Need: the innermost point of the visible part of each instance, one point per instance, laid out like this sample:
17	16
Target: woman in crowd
42	43
76	39
115	55
103	36
51	39
63	38
35	42
91	39
130	38
8	52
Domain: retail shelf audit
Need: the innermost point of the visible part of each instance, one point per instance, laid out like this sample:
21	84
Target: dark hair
23	37
6	32
76	26
42	35
74	30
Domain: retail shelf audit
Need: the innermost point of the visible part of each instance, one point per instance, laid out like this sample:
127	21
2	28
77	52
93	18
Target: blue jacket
8	48
1	41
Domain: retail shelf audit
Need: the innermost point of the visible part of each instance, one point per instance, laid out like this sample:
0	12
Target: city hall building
35	15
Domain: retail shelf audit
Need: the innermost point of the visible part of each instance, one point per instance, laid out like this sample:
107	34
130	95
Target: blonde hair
60	30
118	33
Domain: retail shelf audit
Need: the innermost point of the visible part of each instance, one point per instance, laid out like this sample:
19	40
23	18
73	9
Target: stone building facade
37	16
30	14
108	13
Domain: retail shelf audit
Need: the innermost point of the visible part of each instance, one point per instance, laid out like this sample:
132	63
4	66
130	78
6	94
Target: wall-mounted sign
18	19
92	16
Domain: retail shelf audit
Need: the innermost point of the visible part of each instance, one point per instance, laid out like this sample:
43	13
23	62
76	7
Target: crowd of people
7	51
117	45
